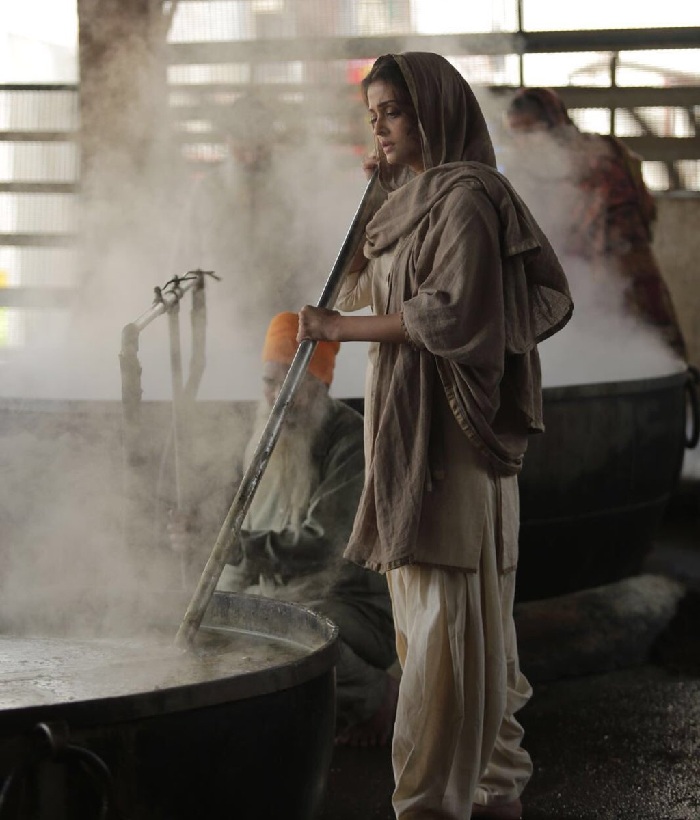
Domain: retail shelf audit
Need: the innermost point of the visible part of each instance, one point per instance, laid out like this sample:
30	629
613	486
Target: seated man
298	524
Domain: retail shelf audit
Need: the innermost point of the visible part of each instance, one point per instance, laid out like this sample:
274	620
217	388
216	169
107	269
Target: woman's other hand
318	324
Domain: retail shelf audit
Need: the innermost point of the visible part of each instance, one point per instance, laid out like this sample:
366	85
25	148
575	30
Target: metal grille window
39	171
222	20
40	108
689	172
45	162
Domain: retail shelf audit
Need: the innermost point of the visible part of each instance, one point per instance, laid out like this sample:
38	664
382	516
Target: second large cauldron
595	485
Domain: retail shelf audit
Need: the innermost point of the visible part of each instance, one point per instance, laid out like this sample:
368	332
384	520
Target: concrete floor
621	745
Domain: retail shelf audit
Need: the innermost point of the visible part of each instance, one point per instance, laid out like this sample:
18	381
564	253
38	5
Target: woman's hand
318	324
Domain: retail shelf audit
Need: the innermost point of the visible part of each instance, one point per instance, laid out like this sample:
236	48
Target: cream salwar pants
456	741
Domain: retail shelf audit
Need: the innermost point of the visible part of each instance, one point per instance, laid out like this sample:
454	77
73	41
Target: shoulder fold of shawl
533	276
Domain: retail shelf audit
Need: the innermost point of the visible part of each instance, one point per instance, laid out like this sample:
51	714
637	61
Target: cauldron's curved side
595	486
255	745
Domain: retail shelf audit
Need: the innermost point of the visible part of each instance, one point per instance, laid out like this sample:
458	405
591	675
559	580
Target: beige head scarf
450	121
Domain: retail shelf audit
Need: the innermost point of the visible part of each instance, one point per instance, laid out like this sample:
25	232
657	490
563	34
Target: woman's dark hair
386	69
528	104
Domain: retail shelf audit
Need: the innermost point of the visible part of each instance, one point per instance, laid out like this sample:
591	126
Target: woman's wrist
385	328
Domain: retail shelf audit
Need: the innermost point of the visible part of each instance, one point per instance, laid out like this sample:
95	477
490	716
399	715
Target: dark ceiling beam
38	136
682	96
39	187
491	43
664	149
43	87
39	240
37	297
537	42
574	96
287	49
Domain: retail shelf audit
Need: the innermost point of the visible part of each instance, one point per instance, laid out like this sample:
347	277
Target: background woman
609	219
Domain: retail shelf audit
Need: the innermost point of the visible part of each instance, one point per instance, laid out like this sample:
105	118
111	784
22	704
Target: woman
610	218
463	284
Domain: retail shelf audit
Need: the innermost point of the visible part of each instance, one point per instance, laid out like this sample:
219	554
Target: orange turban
281	345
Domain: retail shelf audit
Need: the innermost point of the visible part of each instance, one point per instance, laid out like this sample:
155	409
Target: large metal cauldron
596	484
231	734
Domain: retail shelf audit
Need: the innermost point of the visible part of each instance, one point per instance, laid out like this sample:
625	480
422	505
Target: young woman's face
394	126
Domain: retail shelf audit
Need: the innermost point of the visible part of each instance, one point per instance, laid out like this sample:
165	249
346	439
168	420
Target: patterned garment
616	224
611	225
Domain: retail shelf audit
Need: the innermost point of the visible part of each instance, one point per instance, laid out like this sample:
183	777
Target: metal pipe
198	354
177	383
614	60
128	357
231	527
165	302
177	388
131	385
521	58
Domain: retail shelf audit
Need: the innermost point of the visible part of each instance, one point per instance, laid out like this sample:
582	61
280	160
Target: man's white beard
290	473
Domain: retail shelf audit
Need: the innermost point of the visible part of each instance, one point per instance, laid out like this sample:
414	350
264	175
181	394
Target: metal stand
167	300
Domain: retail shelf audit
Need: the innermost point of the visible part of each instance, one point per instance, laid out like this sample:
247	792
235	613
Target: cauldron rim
180	698
621	387
111	406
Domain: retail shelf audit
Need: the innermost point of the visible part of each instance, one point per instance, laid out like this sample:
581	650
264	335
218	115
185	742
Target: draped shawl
477	285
